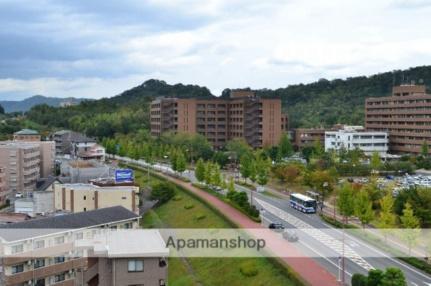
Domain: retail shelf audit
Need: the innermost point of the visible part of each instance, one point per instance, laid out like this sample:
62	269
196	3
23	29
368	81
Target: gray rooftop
27	132
64	222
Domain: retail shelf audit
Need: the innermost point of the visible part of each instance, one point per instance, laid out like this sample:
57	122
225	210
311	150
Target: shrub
163	192
248	269
177	198
189	206
200	216
359	280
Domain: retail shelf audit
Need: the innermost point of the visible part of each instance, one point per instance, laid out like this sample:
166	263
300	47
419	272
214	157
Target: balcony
48	270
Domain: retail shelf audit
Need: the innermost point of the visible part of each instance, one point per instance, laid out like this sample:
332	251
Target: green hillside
324	102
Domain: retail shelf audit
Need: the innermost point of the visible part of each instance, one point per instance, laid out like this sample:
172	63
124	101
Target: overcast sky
98	48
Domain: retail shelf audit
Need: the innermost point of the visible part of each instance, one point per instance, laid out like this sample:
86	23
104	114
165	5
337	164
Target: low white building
354	137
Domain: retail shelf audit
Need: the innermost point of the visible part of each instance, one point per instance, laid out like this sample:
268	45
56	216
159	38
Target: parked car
277	227
290	235
19	195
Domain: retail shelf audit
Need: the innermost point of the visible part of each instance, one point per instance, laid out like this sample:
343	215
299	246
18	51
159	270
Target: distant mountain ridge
26	104
321	103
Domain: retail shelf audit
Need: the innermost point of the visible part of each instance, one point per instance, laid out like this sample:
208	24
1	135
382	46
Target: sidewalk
309	270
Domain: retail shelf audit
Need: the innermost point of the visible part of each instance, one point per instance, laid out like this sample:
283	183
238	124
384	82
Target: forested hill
327	102
124	113
324	102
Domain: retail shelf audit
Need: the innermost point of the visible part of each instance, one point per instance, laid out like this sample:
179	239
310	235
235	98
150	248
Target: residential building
78	171
353	137
88	151
65	139
259	121
25	162
405	115
47	149
22	163
86	197
4	191
70	250
26	135
304	137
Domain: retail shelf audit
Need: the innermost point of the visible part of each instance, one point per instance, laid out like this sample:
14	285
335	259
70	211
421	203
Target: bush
189	206
248	269
200	216
163	192
177	198
359	280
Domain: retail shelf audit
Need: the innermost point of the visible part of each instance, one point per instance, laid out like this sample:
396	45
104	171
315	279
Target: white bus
303	203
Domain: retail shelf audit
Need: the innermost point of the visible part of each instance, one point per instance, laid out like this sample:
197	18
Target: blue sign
123	175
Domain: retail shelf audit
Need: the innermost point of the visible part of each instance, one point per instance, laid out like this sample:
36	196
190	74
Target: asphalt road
325	247
318	244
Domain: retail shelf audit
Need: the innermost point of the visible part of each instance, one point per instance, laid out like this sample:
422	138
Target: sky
100	48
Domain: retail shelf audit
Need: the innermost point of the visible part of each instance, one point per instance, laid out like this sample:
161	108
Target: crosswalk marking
317	234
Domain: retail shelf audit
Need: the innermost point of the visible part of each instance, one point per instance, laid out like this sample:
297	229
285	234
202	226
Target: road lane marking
317	234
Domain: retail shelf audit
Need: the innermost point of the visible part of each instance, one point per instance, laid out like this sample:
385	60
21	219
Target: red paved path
307	268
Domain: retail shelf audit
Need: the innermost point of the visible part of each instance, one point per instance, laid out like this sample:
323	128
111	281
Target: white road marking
317	234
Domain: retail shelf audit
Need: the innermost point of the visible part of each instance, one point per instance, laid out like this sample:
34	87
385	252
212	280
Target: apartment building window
40	282
40	262
59	240
39	244
60	277
135	266
79	236
17	268
17	248
58	259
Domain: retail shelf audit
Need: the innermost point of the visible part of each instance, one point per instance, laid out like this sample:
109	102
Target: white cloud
243	43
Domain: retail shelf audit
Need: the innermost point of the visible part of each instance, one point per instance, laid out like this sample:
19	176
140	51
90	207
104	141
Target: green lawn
209	271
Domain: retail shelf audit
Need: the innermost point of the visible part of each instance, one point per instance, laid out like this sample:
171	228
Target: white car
19	195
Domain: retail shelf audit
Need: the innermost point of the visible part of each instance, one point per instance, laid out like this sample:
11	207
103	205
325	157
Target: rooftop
43	183
27	132
67	221
140	243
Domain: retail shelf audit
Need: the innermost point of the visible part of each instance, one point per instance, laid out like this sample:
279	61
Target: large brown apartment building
405	115
259	121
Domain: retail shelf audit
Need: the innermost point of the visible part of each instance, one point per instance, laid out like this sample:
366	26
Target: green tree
246	166
387	217
424	149
238	148
231	185
173	159
263	167
322	181
200	170
208	172
393	277
216	179
375	161
411	225
180	163
375	277
345	201
162	192
285	148
363	208
359	280
1	109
